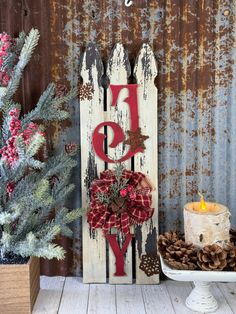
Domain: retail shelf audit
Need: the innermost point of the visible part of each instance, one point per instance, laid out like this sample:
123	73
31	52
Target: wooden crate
19	287
95	108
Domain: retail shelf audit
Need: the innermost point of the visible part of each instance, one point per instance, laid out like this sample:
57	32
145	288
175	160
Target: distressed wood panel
91	114
146	235
118	72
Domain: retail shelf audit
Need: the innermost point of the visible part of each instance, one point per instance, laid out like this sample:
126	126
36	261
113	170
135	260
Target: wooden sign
130	109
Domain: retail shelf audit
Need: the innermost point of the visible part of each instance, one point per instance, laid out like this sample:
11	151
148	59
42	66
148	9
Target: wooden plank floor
70	296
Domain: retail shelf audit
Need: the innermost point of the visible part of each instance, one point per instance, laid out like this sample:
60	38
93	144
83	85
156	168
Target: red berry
132	196
123	192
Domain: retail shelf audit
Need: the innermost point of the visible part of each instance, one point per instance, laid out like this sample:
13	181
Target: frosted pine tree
30	189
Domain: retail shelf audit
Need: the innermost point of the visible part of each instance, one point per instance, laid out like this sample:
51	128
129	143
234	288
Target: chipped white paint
118	72
91	114
145	72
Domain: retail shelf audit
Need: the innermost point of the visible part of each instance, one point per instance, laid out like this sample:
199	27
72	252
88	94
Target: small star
136	140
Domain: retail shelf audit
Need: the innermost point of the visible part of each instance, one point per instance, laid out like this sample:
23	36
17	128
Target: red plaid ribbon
138	210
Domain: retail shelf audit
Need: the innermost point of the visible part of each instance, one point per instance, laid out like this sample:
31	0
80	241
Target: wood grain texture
49	297
19	287
145	72
118	72
75	296
129	299
166	298
178	292
91	114
224	307
229	292
157	297
102	299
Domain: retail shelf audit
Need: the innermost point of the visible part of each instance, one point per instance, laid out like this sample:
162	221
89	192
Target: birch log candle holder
208	225
205	223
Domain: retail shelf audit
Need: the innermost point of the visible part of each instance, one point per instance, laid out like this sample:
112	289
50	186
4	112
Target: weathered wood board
145	72
118	72
91	113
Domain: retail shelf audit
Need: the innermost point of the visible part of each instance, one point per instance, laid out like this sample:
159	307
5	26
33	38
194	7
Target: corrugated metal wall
194	42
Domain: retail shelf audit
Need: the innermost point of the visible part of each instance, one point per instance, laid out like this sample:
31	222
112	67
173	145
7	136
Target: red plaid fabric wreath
132	206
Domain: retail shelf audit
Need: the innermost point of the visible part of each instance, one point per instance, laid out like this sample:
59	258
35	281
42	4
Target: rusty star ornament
136	140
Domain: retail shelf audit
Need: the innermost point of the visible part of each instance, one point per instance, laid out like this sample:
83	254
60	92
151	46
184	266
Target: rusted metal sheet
194	42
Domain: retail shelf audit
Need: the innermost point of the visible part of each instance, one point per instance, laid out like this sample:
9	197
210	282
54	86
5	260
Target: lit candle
202	203
206	223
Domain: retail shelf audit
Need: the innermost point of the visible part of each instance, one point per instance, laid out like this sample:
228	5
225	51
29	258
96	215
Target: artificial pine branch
28	195
114	191
30	43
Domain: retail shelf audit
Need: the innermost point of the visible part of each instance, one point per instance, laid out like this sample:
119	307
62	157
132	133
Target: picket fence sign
96	108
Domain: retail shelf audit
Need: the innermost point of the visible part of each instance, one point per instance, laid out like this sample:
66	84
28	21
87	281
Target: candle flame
202	203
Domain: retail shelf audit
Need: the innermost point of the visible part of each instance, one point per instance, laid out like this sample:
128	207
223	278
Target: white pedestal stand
201	298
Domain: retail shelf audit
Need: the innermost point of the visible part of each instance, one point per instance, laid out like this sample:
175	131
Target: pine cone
53	181
61	90
231	257
165	240
233	236
212	257
71	148
181	255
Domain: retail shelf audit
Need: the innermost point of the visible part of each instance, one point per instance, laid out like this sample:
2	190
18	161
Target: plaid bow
137	211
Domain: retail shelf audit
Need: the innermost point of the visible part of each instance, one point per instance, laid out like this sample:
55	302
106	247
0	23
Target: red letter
98	139
118	134
119	253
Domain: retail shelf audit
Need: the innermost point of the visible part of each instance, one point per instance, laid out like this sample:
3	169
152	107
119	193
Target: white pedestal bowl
201	298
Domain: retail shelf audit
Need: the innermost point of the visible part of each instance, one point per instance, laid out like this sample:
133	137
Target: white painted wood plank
224	307
145	72
178	292
102	299
49	296
75	297
118	72
229	291
156	299
129	299
91	114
